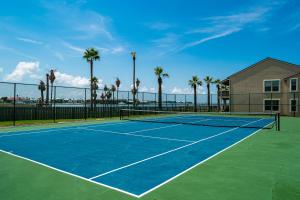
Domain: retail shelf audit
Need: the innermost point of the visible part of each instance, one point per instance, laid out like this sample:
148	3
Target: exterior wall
247	87
293	95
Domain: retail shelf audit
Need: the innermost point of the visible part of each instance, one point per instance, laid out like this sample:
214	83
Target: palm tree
105	89
194	82
102	97
94	89
133	54
137	83
91	55
218	83
118	83
52	79
42	88
47	89
160	74
208	80
113	89
108	94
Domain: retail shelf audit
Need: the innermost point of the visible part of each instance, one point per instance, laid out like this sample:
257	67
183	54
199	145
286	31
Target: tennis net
242	120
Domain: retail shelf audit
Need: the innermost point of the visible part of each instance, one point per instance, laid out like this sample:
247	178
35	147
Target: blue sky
186	37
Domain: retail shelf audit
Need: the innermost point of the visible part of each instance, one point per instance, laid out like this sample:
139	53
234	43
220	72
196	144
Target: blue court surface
128	156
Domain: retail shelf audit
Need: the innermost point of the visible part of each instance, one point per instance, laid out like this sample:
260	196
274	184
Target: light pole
133	54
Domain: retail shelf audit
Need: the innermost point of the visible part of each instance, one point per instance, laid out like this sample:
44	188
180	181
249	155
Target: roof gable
268	59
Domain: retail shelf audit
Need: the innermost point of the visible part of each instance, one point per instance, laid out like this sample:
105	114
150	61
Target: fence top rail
83	88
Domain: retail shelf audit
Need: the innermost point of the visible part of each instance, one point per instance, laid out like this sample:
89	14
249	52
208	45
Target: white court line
167	152
37	131
144	130
74	175
120	190
201	162
29	132
143	136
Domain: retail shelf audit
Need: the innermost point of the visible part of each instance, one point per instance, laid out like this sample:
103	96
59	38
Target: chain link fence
20	101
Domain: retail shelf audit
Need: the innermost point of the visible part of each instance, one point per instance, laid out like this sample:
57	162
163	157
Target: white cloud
28	40
212	37
58	55
74	48
86	24
187	90
16	52
23	69
295	27
114	50
71	80
152	89
160	26
117	50
1	70
210	28
170	39
220	26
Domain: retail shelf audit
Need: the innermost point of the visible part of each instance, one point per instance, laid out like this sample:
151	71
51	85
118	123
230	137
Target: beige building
269	85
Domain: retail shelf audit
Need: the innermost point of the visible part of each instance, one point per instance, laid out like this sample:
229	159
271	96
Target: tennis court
137	155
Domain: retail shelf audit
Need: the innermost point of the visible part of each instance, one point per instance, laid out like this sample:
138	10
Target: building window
293	105
271	105
293	84
272	85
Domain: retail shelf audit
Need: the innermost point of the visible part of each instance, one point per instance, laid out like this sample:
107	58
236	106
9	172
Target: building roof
264	60
292	76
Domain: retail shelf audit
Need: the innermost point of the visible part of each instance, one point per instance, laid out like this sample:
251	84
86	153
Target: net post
121	114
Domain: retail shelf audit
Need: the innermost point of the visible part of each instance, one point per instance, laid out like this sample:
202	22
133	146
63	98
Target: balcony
225	94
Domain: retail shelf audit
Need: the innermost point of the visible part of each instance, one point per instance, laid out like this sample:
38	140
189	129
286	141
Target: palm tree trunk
42	97
208	96
219	95
133	82
92	75
47	89
159	94
118	95
51	93
94	99
195	98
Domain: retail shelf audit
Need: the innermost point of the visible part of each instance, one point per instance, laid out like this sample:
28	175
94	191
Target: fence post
230	103
166	104
155	101
184	102
14	111
271	102
294	111
175	99
249	104
54	107
143	100
128	100
85	114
